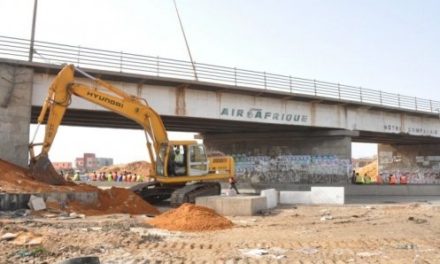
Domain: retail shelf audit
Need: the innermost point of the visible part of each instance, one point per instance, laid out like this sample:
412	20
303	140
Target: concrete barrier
15	201
328	195
271	197
234	205
392	190
295	197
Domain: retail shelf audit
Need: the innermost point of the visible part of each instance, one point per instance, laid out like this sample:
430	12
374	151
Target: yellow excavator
182	170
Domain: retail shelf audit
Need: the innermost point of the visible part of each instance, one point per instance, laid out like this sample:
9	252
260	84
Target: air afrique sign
256	114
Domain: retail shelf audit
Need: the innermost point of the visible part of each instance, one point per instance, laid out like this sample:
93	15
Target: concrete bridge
281	129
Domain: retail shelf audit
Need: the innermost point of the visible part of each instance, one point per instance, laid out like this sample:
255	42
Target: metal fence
53	53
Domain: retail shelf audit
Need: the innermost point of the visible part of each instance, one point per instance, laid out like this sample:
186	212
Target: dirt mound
139	167
369	169
15	179
114	201
190	217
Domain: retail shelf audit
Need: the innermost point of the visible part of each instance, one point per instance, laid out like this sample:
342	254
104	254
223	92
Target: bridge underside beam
88	118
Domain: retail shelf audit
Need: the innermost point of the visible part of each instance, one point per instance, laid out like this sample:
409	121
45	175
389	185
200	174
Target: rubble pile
190	217
15	179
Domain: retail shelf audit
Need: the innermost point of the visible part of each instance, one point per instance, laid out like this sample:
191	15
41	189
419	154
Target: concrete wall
15	113
420	163
272	159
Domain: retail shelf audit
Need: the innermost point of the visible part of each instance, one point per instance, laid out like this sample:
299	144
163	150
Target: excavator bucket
43	170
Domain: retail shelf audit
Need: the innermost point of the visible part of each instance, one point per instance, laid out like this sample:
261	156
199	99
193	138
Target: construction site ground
382	231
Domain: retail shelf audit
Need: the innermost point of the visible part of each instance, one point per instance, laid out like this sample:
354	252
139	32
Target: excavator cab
182	159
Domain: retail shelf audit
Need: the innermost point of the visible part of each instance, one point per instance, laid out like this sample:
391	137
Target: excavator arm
103	94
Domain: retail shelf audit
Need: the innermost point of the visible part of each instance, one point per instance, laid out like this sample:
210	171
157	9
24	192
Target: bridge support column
420	163
286	160
15	113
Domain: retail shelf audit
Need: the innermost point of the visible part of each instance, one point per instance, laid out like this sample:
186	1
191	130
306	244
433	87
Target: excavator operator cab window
198	163
177	162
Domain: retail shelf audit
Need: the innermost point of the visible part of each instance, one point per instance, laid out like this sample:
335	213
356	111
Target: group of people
366	179
117	176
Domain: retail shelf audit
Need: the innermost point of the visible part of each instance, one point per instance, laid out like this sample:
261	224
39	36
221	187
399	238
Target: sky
383	45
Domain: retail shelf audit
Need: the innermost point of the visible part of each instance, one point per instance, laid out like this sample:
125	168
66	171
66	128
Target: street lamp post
31	49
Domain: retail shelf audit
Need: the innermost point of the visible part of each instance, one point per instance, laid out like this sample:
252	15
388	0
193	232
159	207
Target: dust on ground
387	233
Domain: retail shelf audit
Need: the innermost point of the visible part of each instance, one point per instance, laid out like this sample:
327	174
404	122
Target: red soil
190	217
15	179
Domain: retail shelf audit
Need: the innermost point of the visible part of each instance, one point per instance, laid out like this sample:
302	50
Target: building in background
362	162
79	164
89	162
62	166
101	162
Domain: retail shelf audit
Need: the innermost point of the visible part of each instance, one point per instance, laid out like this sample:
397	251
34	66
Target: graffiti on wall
295	169
417	169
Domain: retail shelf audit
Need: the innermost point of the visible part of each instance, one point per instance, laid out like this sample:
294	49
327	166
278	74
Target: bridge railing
53	53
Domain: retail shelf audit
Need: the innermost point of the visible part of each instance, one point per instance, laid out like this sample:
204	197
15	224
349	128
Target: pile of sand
15	179
139	167
114	200
190	217
369	169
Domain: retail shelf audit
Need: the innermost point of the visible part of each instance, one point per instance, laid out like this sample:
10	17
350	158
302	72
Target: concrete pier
271	159
15	112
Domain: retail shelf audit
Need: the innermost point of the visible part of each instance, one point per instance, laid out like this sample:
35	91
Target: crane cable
186	41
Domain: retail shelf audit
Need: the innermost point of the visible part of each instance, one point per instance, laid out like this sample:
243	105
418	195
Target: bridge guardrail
53	53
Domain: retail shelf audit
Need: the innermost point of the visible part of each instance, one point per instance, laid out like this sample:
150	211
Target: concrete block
234	205
295	197
230	192
57	196
328	195
36	203
271	197
83	197
13	201
211	202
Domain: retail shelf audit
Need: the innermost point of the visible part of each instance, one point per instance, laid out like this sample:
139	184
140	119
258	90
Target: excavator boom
109	97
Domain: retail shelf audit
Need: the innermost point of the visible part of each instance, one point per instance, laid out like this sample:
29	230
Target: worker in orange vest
379	179
403	179
392	179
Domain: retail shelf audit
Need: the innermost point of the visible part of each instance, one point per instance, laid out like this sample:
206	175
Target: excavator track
189	193
154	192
